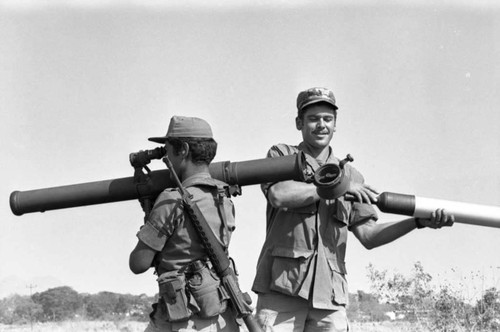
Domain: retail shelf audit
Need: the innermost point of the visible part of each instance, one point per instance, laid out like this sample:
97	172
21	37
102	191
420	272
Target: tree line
64	303
433	308
408	298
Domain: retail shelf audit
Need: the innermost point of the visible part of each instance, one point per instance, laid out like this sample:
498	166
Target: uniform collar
199	178
313	162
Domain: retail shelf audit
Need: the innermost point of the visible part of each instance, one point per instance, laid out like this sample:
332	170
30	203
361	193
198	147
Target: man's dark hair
300	113
201	150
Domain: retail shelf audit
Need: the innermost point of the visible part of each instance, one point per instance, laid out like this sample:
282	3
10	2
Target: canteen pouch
210	298
173	296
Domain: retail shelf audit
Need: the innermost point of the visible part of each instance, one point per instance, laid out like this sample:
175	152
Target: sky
85	83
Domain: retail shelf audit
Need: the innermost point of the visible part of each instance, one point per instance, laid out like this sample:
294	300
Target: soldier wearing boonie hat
169	242
183	126
301	273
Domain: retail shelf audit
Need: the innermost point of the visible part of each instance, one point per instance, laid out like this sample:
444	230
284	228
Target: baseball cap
315	95
183	126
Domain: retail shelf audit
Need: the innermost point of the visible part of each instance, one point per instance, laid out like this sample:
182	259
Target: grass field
129	326
386	327
78	326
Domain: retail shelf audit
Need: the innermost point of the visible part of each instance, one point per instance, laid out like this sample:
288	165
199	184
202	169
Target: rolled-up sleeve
360	212
163	220
151	237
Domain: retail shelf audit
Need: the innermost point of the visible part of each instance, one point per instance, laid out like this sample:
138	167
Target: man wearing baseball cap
190	298
301	274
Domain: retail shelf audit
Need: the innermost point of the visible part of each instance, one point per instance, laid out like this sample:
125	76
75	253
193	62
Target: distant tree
411	295
101	305
107	305
421	290
366	307
487	310
450	313
353	313
59	303
121	306
63	303
442	310
28	311
93	310
19	309
393	289
371	308
7	307
141	306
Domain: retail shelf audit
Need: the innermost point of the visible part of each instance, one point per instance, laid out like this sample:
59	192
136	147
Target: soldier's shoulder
282	149
170	193
353	173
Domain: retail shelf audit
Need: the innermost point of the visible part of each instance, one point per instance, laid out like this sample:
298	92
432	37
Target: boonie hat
183	126
315	95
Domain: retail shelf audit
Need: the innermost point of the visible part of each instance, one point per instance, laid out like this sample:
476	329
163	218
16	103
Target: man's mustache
322	131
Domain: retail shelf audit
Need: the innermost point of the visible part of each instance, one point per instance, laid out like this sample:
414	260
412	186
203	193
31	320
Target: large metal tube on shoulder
421	207
234	173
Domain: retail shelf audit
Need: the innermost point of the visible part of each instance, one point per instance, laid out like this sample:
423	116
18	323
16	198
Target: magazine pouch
173	296
205	288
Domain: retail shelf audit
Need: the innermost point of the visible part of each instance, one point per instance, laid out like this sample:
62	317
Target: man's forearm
391	231
372	234
292	194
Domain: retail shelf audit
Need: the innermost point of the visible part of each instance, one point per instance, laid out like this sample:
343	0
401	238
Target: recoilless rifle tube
241	173
421	207
330	182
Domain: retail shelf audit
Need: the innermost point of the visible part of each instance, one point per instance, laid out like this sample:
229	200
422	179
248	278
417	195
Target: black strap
221	196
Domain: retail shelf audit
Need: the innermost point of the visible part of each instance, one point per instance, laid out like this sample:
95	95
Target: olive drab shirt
169	230
304	251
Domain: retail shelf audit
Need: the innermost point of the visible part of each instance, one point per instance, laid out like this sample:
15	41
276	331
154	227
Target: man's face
176	160
317	125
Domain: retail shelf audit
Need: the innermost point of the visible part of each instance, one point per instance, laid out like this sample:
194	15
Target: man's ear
299	123
185	149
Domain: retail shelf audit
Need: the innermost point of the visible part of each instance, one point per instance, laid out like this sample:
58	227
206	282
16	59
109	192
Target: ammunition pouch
173	295
208	297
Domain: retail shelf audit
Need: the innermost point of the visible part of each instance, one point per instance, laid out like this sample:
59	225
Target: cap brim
319	101
161	140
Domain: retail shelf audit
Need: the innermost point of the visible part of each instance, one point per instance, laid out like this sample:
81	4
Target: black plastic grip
13	203
396	203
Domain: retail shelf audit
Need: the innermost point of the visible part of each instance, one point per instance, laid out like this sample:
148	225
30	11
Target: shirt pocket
339	281
289	268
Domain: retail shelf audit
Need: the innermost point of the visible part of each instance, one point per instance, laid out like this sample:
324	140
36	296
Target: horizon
32	286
